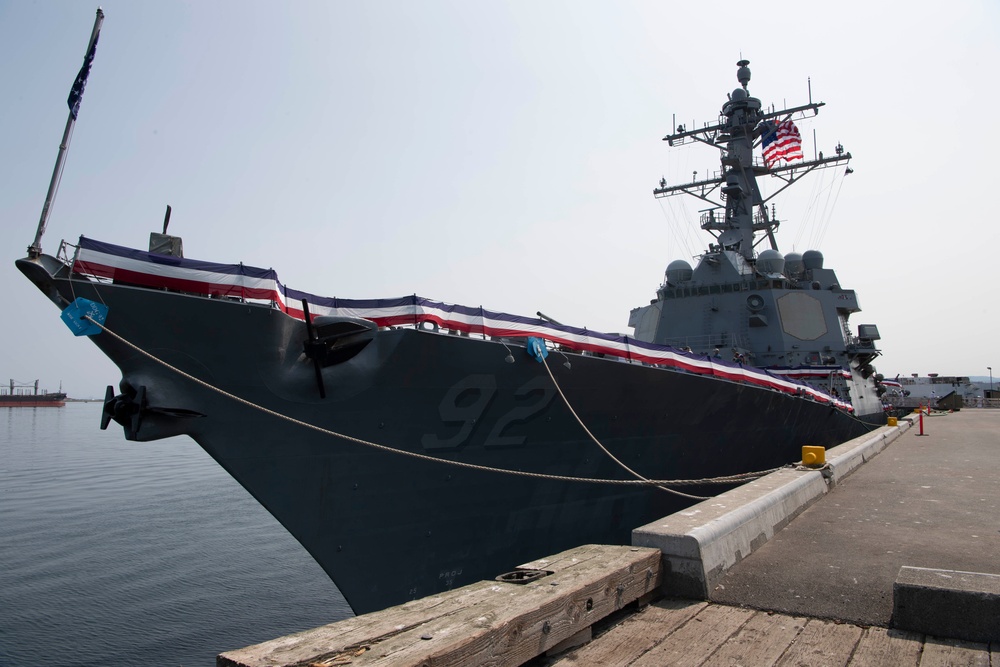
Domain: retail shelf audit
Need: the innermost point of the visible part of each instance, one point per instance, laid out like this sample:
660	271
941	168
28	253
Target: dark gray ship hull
388	528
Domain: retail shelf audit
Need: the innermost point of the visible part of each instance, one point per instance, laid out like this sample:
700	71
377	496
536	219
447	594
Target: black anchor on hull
125	409
129	407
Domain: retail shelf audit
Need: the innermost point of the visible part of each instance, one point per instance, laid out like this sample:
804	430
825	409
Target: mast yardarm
737	211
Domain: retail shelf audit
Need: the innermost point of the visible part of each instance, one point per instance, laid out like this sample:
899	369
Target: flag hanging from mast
75	95
782	143
76	92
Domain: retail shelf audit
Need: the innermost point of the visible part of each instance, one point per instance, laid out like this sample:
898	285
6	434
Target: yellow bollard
813	455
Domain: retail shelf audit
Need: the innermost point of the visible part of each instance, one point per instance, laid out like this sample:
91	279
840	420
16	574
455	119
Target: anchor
129	407
126	409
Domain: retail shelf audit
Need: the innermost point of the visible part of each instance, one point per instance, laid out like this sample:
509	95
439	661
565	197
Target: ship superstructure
744	300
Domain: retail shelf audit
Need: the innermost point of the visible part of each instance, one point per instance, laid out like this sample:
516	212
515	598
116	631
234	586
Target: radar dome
770	262
738	94
743	73
794	266
812	259
678	271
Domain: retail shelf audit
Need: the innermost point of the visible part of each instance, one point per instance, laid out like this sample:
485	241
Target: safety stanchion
921	420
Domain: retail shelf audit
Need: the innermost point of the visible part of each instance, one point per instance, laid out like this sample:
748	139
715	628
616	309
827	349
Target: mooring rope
640	481
541	357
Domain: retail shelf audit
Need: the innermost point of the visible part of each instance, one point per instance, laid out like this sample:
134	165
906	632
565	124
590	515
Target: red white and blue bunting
137	267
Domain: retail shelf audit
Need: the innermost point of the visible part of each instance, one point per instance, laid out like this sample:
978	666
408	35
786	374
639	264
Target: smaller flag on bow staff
76	92
783	142
75	95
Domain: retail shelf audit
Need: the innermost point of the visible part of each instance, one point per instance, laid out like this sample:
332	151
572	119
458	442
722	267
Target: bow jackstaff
74	99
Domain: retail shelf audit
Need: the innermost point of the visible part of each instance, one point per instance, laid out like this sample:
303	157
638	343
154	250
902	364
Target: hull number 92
465	410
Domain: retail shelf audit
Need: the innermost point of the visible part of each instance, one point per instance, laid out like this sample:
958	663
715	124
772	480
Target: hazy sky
501	153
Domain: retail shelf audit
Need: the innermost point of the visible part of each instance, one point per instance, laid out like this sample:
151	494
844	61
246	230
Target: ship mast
75	95
738	210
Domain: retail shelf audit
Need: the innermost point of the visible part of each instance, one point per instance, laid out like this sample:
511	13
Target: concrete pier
896	561
703	542
928	502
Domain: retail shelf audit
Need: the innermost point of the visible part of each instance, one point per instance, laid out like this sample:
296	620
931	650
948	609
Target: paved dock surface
820	592
928	501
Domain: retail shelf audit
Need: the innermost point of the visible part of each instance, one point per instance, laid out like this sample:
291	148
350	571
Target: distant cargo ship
28	396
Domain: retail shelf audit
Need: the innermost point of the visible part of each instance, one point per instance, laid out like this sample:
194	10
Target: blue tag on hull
73	315
537	349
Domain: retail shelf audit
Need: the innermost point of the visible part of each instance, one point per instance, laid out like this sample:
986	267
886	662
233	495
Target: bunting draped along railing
101	260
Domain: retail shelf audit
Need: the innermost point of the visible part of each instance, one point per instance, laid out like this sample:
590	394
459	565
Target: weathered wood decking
486	623
694	633
503	624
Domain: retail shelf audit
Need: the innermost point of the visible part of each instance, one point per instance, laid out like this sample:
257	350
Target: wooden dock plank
881	646
822	643
662	633
631	638
690	644
567	559
954	653
347	636
534	617
486	623
762	641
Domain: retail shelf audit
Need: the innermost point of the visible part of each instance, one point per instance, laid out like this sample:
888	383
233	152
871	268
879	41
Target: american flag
782	143
76	92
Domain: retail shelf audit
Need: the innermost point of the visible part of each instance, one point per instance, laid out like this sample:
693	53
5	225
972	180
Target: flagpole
75	95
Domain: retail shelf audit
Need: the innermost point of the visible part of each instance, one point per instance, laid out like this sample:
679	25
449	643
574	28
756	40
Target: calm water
118	553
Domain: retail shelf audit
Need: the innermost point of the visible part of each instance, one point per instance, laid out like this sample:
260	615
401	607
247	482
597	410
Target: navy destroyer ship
412	446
